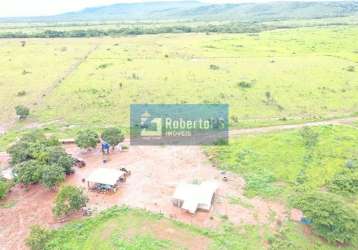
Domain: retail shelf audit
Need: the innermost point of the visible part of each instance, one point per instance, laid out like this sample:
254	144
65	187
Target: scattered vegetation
22	112
331	216
38	238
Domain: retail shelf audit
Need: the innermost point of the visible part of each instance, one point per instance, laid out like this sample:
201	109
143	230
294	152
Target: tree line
141	30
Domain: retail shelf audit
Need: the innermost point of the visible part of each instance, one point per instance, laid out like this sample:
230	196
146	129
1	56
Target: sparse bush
113	136
38	238
245	85
4	187
310	137
332	218
87	139
103	66
22	112
351	69
21	93
214	67
70	199
345	182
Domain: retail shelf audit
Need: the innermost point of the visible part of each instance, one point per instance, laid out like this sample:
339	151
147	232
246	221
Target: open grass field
267	78
34	68
279	164
287	74
123	228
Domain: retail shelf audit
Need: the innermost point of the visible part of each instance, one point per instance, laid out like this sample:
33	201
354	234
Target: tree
38	238
19	152
113	136
69	200
87	139
52	175
22	112
57	155
332	217
28	172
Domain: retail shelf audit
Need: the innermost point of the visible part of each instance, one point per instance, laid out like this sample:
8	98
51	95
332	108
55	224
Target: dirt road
245	131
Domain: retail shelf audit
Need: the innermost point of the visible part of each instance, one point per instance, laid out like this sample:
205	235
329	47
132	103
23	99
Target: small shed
105	178
192	197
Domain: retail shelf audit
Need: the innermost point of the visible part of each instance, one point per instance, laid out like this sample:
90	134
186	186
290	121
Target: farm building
192	197
105	179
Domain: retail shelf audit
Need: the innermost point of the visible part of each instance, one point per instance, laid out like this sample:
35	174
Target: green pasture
134	229
278	164
33	67
266	78
280	76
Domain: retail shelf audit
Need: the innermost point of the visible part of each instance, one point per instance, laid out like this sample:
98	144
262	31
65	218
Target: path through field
348	121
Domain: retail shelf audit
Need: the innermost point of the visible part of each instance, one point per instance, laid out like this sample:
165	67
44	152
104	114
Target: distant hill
193	10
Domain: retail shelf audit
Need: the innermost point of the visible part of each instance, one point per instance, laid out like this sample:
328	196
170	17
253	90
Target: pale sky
50	7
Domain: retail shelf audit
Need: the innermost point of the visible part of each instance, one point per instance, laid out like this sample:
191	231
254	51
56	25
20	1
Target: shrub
103	66
351	69
245	85
214	67
331	217
38	238
52	175
21	93
4	187
87	139
113	136
22	112
310	137
345	182
69	200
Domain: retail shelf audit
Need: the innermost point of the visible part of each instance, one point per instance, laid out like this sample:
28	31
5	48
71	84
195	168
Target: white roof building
192	197
105	176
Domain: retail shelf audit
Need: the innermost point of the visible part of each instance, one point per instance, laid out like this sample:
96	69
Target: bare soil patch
155	173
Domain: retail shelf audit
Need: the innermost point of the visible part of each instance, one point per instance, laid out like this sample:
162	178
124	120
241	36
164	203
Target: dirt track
259	130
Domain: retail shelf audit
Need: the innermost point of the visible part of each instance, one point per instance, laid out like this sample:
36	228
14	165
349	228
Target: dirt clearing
155	173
